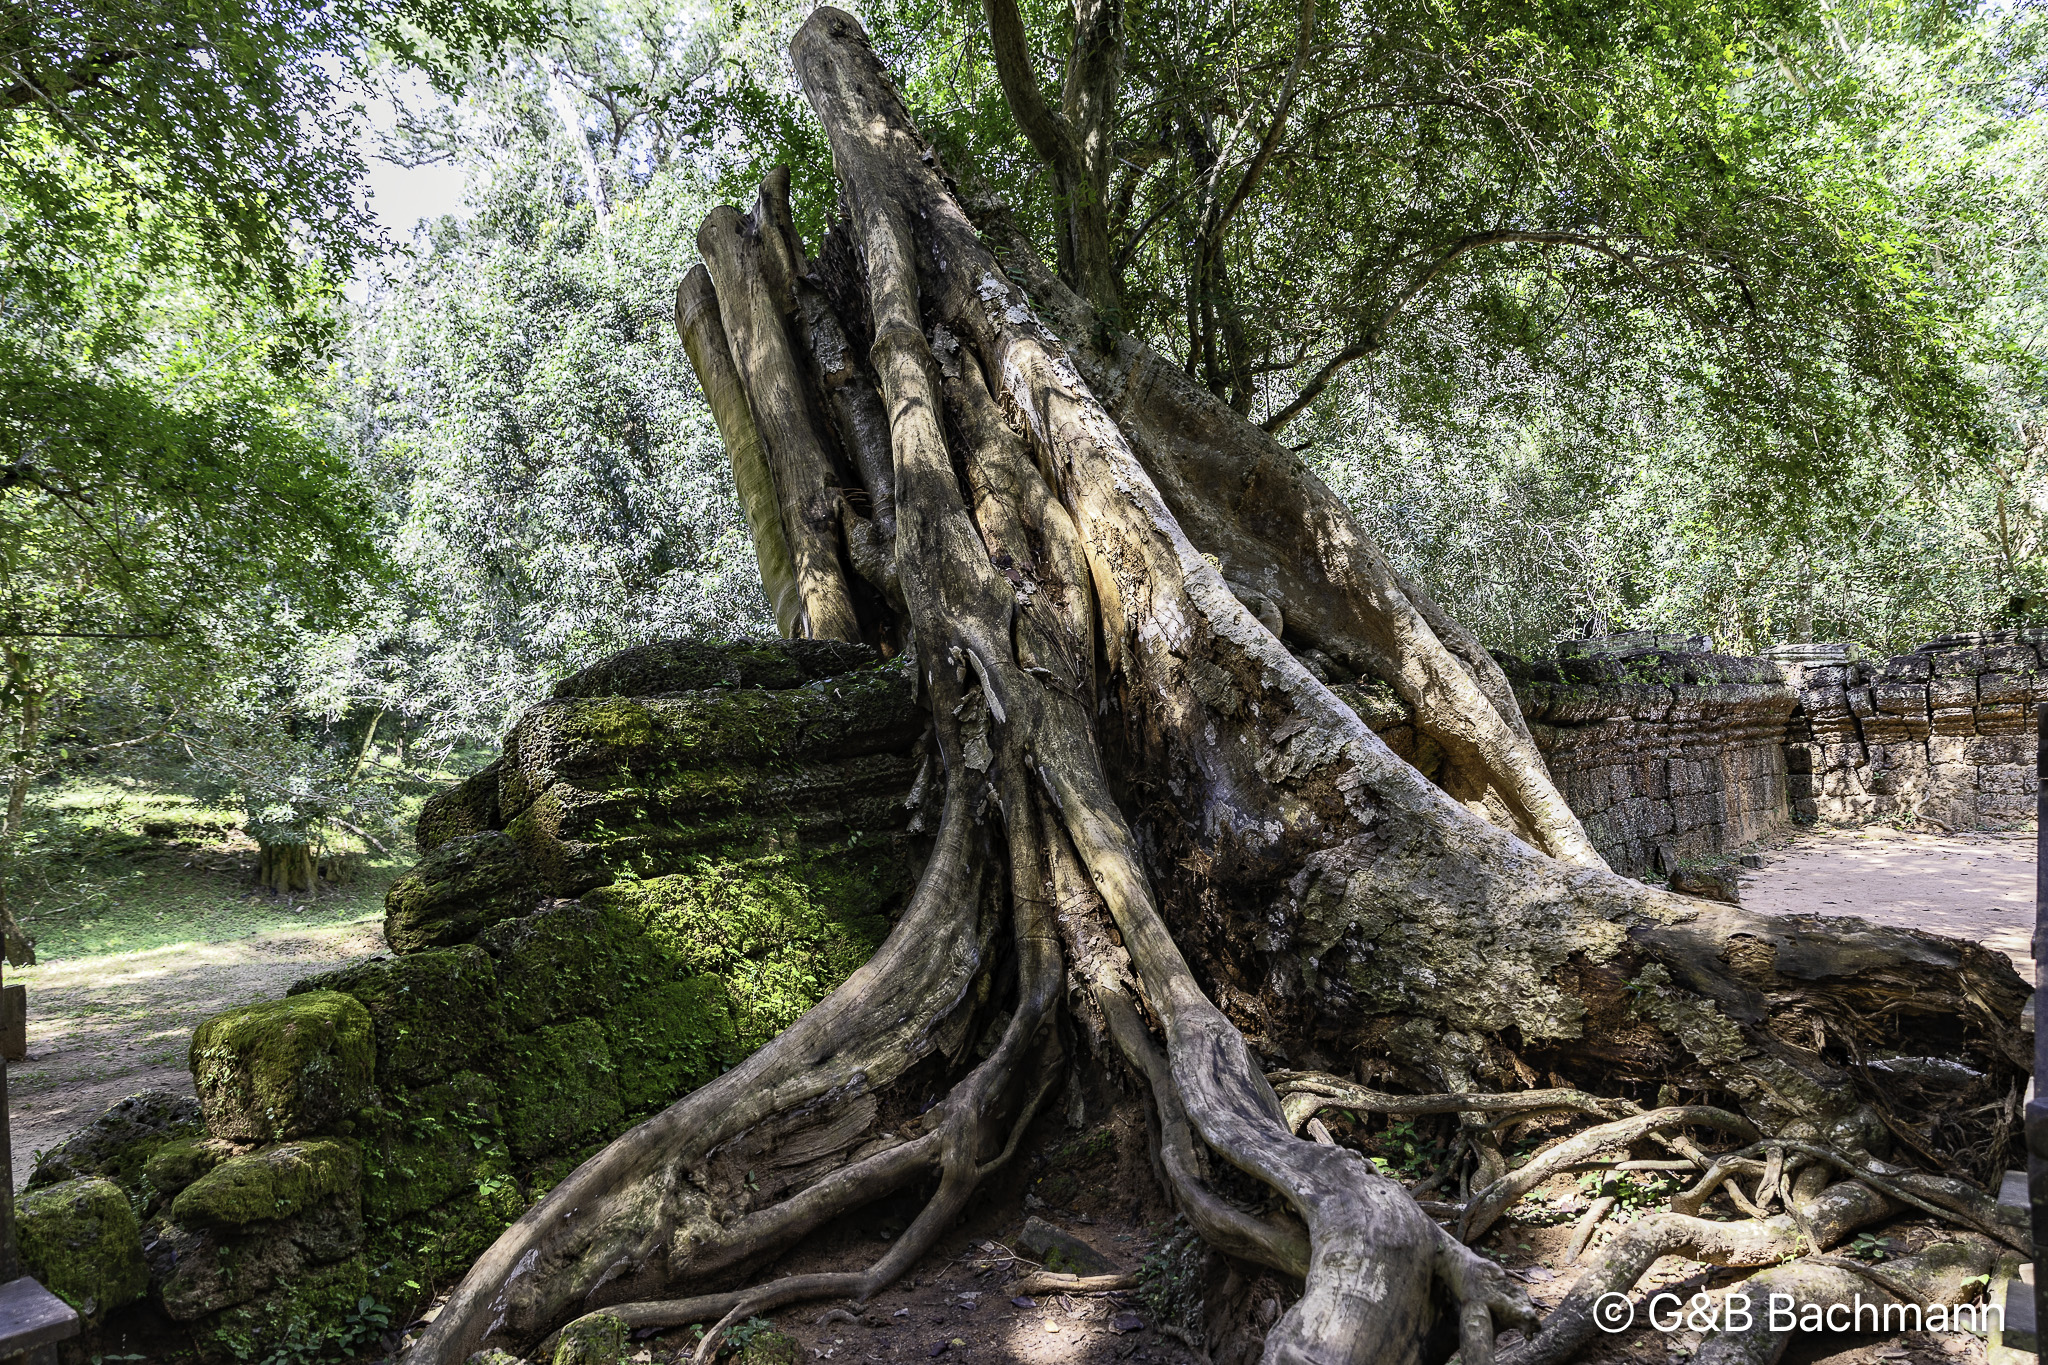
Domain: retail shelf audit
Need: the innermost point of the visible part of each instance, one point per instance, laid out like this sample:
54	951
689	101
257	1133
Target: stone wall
732	823
1945	733
1663	755
1669	755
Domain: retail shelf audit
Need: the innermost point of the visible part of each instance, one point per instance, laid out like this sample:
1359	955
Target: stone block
670	1039
119	1142
1907	668
434	1012
559	1088
569	960
461	888
1061	1251
1957	663
272	1183
431	1144
593	1339
469	807
202	1270
80	1238
284	1069
2009	658
2008	718
2022	689
177	1164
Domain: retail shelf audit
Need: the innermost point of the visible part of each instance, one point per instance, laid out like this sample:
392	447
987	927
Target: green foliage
1171	1280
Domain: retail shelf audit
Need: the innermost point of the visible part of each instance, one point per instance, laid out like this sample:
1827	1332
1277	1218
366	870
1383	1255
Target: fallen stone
1061	1251
81	1240
284	1069
595	1339
1126	1322
434	1012
118	1143
1716	884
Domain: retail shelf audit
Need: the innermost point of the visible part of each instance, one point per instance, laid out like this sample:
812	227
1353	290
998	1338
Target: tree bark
1106	578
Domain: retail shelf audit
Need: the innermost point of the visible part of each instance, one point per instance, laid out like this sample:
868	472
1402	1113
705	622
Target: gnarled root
1847	1296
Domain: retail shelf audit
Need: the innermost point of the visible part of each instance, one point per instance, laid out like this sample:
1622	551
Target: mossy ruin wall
674	857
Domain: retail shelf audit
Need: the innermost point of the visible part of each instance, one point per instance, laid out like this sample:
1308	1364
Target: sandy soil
102	1028
1975	886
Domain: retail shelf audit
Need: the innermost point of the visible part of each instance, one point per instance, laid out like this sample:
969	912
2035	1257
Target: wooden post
2037	1110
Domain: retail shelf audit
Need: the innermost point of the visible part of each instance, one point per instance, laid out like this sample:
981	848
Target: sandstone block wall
1945	733
1669	754
1663	755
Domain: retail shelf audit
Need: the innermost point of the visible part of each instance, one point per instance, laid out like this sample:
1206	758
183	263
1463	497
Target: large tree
1136	617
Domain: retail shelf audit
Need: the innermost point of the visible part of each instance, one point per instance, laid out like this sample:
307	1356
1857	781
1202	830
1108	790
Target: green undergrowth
126	865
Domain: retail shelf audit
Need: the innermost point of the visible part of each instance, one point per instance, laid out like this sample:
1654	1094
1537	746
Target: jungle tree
1133	614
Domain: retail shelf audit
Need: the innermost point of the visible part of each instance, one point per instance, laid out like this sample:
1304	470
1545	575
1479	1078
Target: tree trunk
26	691
285	862
1147	791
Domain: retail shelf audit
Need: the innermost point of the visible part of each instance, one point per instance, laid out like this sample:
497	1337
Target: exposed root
1839	1210
1832	1294
1305	1093
1050	1282
1488	1204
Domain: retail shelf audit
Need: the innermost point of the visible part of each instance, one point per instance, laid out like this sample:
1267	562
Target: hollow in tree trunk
1134	618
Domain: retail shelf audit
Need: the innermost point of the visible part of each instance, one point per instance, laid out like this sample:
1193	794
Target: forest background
1689	315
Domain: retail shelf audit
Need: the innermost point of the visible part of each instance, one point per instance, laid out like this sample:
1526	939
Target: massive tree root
1133	616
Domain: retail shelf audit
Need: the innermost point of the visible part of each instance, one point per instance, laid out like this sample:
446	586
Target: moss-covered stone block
594	1339
781	930
559	1085
685	665
284	1069
319	1313
570	960
200	1270
119	1142
177	1164
80	1238
469	807
465	885
434	1012
670	1039
431	1144
271	1183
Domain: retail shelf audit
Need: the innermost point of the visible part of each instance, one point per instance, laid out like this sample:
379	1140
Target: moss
271	1183
434	1013
283	1069
559	1085
437	1245
430	1145
767	1347
177	1164
469	807
781	930
670	1039
465	885
596	1339
323	1313
567	961
80	1238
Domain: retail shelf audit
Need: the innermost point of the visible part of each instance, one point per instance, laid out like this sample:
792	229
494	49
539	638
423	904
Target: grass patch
124	865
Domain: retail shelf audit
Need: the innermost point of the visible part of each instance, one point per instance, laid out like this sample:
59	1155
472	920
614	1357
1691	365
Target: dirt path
1974	886
101	1028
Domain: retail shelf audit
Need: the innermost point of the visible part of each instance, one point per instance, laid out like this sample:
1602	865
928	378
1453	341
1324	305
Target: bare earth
1974	886
101	1028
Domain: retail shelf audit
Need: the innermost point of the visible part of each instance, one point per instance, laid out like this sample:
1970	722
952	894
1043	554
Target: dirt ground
1975	886
102	1028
